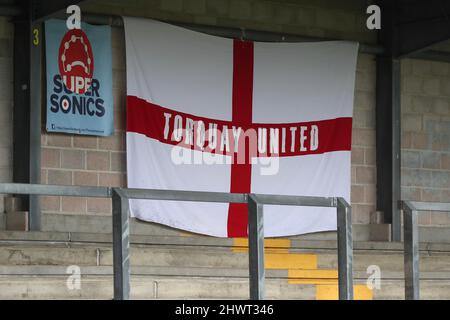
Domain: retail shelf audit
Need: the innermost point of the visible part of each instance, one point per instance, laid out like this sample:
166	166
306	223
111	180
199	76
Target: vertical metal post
21	110
388	120
256	248
345	249
121	245
396	225
411	252
35	122
388	141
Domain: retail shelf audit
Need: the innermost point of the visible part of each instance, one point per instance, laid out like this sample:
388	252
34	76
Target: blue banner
79	79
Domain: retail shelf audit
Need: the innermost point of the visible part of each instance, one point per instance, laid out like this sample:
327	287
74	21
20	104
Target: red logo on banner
76	61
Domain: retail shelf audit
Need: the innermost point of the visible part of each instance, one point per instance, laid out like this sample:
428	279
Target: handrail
427	206
411	242
296	200
55	190
121	234
178	195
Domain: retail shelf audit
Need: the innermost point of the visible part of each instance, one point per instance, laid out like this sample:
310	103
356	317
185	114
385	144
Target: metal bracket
345	249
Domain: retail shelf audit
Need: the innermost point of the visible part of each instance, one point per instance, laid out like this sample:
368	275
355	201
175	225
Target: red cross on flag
206	113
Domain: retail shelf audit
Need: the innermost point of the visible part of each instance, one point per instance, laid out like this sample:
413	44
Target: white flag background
204	92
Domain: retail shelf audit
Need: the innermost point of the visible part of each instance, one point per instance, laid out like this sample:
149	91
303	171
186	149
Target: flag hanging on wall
206	113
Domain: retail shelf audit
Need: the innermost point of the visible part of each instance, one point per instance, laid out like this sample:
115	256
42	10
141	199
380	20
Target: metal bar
121	241
47	9
35	122
229	32
432	55
345	250
428	206
256	248
297	200
121	245
419	36
396	224
54	190
21	114
177	195
160	194
388	141
263	36
254	35
10	10
411	253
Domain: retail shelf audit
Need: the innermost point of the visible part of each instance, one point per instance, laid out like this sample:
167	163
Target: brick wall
100	161
363	194
425	111
86	160
6	102
426	135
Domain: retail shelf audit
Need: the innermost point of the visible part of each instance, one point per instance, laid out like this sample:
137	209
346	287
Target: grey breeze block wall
6	102
80	160
426	135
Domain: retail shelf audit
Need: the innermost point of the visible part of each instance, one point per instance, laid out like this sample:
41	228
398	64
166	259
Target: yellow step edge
313	274
266	250
290	261
331	292
313	281
187	234
240	245
325	276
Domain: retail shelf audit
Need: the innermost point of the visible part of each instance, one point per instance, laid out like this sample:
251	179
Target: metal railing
411	242
121	226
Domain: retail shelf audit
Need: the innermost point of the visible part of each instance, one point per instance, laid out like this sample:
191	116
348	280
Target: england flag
206	113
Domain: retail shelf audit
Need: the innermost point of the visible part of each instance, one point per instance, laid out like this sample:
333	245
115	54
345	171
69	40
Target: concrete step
34	265
173	287
16	220
143	256
387	261
100	287
298	276
292	245
102	224
60	253
52	248
13	204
